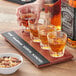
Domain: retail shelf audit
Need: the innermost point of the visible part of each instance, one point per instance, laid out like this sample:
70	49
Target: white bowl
11	69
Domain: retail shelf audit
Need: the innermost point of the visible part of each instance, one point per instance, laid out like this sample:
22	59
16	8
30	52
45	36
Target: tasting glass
56	42
26	16
34	29
42	33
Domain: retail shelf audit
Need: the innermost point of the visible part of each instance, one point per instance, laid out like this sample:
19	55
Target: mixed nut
7	62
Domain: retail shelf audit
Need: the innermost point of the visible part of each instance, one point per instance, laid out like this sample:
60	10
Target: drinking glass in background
42	32
56	42
34	29
25	16
54	8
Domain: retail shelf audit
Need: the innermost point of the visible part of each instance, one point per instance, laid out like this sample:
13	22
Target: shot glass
42	33
56	42
25	17
34	31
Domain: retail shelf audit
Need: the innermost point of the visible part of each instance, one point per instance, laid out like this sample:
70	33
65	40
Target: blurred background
8	14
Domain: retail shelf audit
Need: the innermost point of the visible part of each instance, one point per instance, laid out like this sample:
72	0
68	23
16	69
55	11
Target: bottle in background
54	7
68	10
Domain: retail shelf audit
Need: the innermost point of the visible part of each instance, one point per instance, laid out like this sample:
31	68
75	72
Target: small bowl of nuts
10	63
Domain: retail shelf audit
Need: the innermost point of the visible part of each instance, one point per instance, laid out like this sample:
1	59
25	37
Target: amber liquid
72	3
43	34
72	43
57	45
55	13
26	17
43	39
34	32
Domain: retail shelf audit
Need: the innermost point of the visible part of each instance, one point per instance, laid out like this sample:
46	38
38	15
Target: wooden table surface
7	23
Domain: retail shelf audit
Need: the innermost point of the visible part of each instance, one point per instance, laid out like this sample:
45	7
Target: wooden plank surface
7	23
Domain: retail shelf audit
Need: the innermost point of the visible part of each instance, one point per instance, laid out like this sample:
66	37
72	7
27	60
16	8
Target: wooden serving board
31	50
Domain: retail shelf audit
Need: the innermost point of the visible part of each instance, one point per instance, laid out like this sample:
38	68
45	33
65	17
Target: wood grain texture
28	69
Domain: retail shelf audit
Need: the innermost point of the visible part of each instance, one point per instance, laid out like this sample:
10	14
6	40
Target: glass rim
46	26
36	24
57	32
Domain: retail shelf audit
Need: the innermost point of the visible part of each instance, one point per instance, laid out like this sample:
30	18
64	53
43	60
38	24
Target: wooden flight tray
31	50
